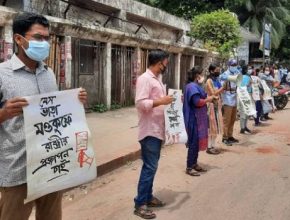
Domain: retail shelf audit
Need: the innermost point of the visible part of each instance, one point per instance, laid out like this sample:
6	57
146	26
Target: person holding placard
257	94
246	82
267	78
25	74
150	100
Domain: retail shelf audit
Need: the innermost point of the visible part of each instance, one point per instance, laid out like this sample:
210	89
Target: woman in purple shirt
195	119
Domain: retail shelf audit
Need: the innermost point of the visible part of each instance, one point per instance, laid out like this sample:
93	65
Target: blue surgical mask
233	69
37	50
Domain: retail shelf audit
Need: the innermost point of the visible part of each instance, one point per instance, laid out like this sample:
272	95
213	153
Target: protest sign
246	102
267	91
58	143
256	91
174	122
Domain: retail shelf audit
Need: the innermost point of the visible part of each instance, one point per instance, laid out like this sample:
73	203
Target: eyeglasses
40	37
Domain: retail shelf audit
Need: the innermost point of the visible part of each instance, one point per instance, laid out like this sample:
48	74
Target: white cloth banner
175	132
267	91
245	100
58	144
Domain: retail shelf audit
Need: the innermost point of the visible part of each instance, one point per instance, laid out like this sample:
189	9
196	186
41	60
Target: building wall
243	52
109	72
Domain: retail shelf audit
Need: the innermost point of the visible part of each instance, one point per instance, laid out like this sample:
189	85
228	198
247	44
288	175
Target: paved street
249	181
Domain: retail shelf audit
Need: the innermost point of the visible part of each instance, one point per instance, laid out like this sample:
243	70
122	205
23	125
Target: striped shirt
17	80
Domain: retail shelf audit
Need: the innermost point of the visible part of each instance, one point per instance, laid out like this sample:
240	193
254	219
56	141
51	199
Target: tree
253	13
186	8
219	30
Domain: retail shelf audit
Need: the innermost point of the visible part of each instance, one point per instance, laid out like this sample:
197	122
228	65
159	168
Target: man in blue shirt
229	98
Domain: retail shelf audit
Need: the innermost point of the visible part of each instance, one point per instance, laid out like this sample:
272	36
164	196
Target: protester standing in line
269	79
24	75
229	98
195	119
214	88
258	97
150	100
246	82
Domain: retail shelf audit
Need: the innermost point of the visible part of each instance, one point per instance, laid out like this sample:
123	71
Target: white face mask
267	72
201	80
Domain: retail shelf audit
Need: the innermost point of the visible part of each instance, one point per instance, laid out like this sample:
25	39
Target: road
249	181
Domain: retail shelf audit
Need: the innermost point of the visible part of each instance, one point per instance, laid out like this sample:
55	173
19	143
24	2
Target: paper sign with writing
58	143
267	91
245	101
256	91
174	123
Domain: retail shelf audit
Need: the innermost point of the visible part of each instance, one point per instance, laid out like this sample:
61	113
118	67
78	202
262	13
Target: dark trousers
150	150
259	109
192	156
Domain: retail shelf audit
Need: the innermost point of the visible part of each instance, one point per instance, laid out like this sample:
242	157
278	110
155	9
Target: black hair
193	73
244	69
212	67
23	22
156	56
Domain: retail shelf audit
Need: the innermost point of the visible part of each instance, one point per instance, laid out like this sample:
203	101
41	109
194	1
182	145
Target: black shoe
213	151
243	131
233	140
263	119
227	142
268	118
248	130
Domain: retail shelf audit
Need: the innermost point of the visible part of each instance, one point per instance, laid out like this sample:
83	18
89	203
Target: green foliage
115	106
219	30
101	108
253	13
186	8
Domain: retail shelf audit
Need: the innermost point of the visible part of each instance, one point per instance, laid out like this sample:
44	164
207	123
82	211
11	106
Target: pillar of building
192	61
8	42
108	74
177	71
68	62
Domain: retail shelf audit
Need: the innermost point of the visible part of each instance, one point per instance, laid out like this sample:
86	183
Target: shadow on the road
229	150
174	200
247	143
208	167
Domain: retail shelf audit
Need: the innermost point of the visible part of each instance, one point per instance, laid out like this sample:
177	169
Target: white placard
246	101
256	91
267	91
175	132
58	143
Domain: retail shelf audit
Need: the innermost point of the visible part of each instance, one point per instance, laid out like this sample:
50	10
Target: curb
117	163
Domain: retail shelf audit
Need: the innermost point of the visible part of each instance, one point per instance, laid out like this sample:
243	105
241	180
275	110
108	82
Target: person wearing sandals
195	119
150	100
214	88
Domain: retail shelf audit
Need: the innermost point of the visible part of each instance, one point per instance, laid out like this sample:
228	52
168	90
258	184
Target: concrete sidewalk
114	136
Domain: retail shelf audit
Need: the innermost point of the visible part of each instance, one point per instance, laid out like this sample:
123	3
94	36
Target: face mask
37	50
267	72
201	80
233	69
216	74
250	72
